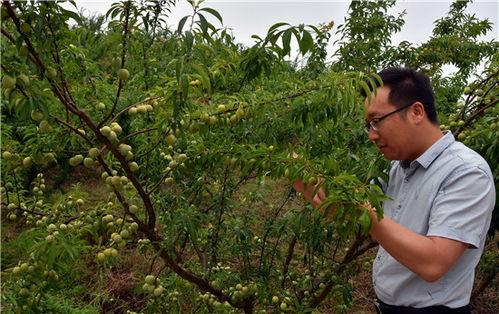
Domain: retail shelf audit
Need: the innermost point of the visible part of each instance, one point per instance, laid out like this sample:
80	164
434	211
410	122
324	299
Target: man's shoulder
452	160
460	156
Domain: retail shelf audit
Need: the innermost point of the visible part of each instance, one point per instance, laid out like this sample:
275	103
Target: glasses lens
367	127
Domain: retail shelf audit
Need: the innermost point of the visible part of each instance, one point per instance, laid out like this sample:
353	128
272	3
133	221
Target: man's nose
373	135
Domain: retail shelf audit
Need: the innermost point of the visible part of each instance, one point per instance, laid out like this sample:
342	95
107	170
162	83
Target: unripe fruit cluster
212	300
152	286
75	160
144	108
111	132
107	253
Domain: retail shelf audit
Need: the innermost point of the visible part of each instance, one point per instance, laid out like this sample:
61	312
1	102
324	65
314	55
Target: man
442	192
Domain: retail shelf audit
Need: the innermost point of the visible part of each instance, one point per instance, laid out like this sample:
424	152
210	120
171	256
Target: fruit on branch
133	166
129	156
25	28
171	139
240	113
75	160
124	234
116	237
116	128
27	162
100	106
123	74
116	62
101	257
172	164
116	180
44	126
112	252
93	152
467	90
50	73
105	130
150	279
23	80
51	228
221	107
36	115
112	136
132	111
7	155
23	51
158	291
88	162
124	149
148	288
8	81
133	209
107	218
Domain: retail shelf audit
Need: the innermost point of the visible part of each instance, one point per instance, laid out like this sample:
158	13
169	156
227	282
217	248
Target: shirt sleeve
463	206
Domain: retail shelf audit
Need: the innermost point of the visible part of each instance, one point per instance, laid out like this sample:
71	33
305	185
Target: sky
246	18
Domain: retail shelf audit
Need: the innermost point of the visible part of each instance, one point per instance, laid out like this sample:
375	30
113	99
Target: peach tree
192	137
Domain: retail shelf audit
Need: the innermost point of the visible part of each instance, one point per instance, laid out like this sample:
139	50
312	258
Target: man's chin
387	153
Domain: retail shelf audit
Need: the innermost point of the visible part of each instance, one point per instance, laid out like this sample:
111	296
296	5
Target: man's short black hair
408	86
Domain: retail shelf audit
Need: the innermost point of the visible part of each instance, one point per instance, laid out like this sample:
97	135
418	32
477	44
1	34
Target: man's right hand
307	190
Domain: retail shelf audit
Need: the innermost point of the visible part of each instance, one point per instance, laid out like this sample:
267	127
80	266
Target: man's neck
427	136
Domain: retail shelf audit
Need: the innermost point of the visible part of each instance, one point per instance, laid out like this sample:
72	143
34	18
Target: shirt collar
432	153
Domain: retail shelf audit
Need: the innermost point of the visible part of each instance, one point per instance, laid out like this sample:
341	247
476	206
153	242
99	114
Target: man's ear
418	112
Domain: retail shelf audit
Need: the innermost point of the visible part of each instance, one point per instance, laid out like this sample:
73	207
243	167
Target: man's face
392	136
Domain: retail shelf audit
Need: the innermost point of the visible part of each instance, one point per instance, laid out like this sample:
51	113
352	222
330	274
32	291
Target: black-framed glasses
373	124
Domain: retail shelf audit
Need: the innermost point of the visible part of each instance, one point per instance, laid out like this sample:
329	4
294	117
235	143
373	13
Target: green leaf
286	40
189	40
203	23
179	68
365	222
366	89
204	47
181	23
184	84
72	15
214	13
204	76
277	25
306	43
171	63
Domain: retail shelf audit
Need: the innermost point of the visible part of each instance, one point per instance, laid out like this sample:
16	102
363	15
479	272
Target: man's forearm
428	257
